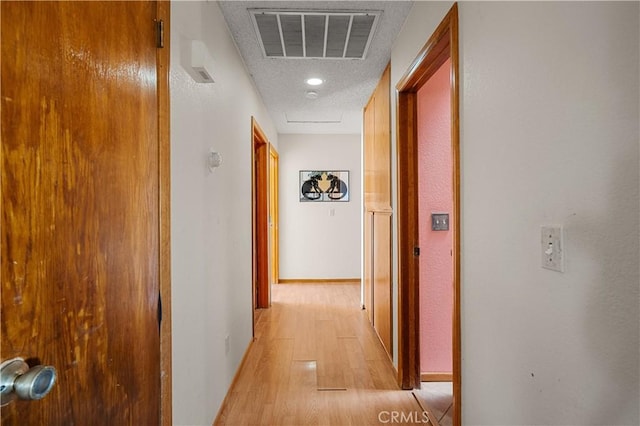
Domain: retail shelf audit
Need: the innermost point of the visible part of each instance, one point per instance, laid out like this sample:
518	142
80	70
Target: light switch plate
439	221
552	247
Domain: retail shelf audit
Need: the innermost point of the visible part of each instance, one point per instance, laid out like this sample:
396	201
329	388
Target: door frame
442	45
260	213
274	240
164	140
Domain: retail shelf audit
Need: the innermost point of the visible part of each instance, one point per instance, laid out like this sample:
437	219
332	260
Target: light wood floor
437	399
317	361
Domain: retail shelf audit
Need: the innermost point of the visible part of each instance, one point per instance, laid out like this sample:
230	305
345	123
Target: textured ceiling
348	82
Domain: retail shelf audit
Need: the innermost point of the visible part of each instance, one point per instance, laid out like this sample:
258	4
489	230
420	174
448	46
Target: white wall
549	123
313	243
210	214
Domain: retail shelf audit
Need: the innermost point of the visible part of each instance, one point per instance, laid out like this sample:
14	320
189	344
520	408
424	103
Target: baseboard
436	377
319	281
223	406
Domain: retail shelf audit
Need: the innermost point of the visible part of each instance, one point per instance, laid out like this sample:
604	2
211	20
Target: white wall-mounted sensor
201	63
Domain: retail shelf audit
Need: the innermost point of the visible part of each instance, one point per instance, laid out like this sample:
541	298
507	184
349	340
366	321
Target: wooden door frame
274	247
164	140
442	45
260	214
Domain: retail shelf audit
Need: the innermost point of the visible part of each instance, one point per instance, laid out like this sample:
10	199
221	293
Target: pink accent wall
435	195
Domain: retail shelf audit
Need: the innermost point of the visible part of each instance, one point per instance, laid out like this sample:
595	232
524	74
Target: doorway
441	47
260	211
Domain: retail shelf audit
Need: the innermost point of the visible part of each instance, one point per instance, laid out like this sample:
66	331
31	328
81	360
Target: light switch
439	221
552	247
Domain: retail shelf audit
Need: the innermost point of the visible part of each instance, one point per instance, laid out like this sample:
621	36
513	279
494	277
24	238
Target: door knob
17	380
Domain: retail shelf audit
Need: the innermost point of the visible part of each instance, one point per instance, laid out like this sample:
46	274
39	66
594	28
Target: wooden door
369	118
381	254
377	205
80	208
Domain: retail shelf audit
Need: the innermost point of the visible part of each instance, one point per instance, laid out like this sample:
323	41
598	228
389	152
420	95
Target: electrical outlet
552	247
226	344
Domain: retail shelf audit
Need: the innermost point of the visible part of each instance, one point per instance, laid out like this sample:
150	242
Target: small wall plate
439	221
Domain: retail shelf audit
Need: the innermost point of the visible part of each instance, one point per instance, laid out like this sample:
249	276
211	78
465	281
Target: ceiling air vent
319	35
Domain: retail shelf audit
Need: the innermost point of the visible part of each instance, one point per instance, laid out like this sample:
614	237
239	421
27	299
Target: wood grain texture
274	244
367	236
377	149
80	208
369	120
319	281
441	45
164	132
382	144
315	361
452	17
382	315
377	199
436	377
407	210
260	150
369	198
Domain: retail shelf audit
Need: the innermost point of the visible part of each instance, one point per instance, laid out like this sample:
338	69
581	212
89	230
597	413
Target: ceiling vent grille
318	35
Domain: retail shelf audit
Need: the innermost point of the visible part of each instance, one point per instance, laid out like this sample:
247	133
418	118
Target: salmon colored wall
435	195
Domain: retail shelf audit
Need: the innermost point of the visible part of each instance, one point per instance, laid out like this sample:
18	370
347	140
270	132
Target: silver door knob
17	380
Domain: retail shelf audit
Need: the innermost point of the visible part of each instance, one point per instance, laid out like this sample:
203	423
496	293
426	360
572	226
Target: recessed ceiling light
314	81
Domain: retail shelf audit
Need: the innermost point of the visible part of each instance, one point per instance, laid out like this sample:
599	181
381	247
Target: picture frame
324	186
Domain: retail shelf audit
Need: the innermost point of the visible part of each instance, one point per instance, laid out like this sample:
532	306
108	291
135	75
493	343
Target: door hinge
159	33
416	251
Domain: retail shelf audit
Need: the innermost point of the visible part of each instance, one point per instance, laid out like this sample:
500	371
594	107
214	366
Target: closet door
368	265
382	278
377	210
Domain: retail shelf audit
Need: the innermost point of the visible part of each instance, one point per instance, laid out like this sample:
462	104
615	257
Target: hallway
317	361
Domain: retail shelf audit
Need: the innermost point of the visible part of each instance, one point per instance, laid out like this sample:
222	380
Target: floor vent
317	35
